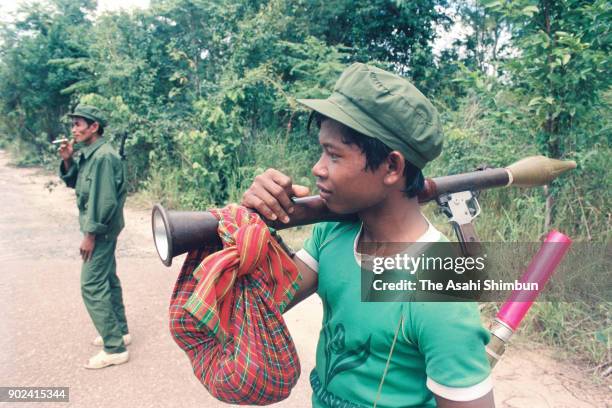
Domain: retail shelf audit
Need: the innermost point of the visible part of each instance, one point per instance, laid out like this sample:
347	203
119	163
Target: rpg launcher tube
531	171
512	312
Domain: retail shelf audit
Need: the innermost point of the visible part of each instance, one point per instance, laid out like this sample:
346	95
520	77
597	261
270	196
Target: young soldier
377	132
98	179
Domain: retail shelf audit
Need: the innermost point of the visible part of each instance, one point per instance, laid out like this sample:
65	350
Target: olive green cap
385	106
89	112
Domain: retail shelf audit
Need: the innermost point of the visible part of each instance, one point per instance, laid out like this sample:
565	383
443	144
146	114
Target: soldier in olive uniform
96	173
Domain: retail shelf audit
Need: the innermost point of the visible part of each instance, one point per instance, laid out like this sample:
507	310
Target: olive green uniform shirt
97	175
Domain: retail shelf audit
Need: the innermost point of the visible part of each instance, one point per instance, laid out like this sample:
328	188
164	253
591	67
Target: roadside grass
581	331
161	187
27	155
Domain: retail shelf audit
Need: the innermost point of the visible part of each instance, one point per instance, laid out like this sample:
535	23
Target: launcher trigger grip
468	240
462	208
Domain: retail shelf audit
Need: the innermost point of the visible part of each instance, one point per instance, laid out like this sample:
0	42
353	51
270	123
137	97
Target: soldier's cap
385	106
89	112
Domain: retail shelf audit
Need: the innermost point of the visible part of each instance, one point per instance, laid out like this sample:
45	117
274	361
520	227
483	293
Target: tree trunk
548	209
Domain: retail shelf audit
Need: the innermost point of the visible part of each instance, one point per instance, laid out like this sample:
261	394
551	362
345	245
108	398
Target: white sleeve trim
461	393
308	259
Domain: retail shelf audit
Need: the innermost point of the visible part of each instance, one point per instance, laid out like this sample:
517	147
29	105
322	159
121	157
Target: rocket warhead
536	171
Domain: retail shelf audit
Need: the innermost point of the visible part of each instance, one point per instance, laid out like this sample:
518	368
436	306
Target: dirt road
45	332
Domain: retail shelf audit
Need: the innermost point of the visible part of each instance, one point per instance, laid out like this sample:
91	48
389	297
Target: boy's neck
395	219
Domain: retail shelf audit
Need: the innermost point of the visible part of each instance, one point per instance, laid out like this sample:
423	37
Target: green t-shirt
440	346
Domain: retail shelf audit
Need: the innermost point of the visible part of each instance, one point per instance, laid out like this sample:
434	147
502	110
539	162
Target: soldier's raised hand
66	150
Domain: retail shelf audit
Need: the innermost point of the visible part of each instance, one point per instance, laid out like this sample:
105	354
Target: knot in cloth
252	243
248	250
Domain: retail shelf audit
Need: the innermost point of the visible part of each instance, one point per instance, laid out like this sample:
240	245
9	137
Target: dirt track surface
45	332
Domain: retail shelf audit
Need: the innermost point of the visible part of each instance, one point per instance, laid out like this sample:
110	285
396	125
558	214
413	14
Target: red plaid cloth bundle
225	313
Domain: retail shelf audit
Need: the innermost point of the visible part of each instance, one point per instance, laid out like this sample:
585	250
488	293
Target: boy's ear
395	164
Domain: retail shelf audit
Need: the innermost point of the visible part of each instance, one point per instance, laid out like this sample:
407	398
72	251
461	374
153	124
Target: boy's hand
270	195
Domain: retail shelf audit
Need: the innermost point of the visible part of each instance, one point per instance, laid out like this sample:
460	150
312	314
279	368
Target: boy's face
343	181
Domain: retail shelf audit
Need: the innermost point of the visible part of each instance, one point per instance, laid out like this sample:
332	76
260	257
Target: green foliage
30	89
578	328
564	62
398	33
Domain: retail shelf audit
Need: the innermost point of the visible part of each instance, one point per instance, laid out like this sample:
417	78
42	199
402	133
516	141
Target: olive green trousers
101	291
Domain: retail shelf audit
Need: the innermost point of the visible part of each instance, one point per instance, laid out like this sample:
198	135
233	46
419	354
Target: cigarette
58	141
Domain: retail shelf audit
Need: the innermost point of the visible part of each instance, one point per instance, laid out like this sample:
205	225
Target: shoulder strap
124	136
382	380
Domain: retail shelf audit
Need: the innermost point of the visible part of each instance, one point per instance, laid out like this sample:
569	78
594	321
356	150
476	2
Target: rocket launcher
177	232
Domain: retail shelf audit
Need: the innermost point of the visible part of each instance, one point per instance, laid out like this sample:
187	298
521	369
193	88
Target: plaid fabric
225	313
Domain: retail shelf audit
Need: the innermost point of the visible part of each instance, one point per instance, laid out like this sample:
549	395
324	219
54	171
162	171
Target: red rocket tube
515	308
539	271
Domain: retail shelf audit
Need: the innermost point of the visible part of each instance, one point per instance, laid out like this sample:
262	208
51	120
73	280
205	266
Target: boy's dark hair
376	152
91	122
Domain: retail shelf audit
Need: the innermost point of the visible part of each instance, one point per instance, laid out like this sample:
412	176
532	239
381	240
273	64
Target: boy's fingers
279	178
300	191
252	201
272	203
281	198
270	194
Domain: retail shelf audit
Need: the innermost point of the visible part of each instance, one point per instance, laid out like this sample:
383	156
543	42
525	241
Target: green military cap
89	112
385	106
